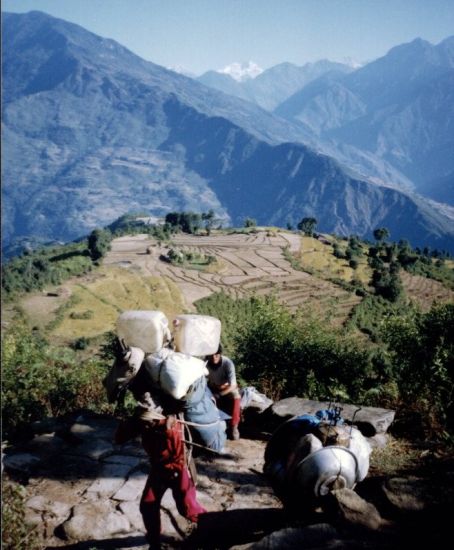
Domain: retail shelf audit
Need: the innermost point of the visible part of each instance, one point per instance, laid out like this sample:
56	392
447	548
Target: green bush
99	243
39	380
47	266
368	316
421	347
233	313
297	355
284	355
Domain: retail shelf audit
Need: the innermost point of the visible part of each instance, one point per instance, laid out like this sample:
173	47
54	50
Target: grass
318	257
398	456
113	291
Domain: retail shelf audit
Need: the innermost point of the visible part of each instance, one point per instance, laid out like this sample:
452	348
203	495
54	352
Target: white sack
175	373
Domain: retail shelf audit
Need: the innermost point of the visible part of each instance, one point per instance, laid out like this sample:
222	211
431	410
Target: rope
203	447
153	415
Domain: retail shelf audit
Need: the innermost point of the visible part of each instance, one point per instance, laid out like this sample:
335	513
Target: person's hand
224	389
170	422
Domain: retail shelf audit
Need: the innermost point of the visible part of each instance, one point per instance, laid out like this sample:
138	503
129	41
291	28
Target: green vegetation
46	266
233	313
421	346
368	316
190	222
250	222
99	243
290	354
40	380
16	534
193	260
307	226
410	368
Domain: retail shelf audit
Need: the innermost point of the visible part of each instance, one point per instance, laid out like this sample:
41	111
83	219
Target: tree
250	222
188	222
208	218
98	243
307	226
381	234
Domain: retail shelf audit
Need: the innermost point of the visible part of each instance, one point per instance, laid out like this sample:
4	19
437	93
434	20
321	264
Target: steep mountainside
91	131
399	108
274	85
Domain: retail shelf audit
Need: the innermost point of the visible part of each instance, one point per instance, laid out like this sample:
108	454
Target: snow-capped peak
353	63
242	71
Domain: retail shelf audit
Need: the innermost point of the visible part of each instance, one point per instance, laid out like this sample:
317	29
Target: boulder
415	494
349	509
369	420
321	535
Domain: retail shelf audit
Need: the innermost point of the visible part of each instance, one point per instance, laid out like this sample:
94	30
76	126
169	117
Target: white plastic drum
147	330
197	335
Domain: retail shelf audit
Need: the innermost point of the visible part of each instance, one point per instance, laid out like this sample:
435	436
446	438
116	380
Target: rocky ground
83	493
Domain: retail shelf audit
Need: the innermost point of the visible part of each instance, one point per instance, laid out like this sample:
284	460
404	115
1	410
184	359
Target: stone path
83	491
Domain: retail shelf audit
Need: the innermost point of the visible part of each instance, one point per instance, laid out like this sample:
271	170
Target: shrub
421	346
250	222
40	380
47	266
298	355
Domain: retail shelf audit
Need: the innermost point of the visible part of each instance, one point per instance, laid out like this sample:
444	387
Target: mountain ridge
398	108
106	136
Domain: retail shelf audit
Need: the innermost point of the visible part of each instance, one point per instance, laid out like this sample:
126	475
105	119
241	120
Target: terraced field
425	291
246	264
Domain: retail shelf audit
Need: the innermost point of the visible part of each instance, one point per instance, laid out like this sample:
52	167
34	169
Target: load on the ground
163	378
310	455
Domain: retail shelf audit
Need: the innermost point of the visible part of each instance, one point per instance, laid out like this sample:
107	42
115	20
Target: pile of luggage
165	369
309	456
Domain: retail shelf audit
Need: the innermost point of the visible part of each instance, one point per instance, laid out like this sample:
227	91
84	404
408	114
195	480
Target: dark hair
219	349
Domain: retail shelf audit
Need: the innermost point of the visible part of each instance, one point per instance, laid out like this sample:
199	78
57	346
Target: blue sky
199	35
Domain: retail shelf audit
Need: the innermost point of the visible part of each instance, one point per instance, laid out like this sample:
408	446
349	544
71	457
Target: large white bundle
361	448
174	372
147	330
196	334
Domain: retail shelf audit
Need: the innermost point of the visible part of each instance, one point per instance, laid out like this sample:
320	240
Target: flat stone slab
20	462
133	487
110	478
95	520
369	420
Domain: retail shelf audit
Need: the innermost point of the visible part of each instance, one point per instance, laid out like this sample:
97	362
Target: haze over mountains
91	131
273	86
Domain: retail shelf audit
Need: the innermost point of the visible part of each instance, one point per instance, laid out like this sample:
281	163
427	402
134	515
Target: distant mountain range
91	131
391	119
273	86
